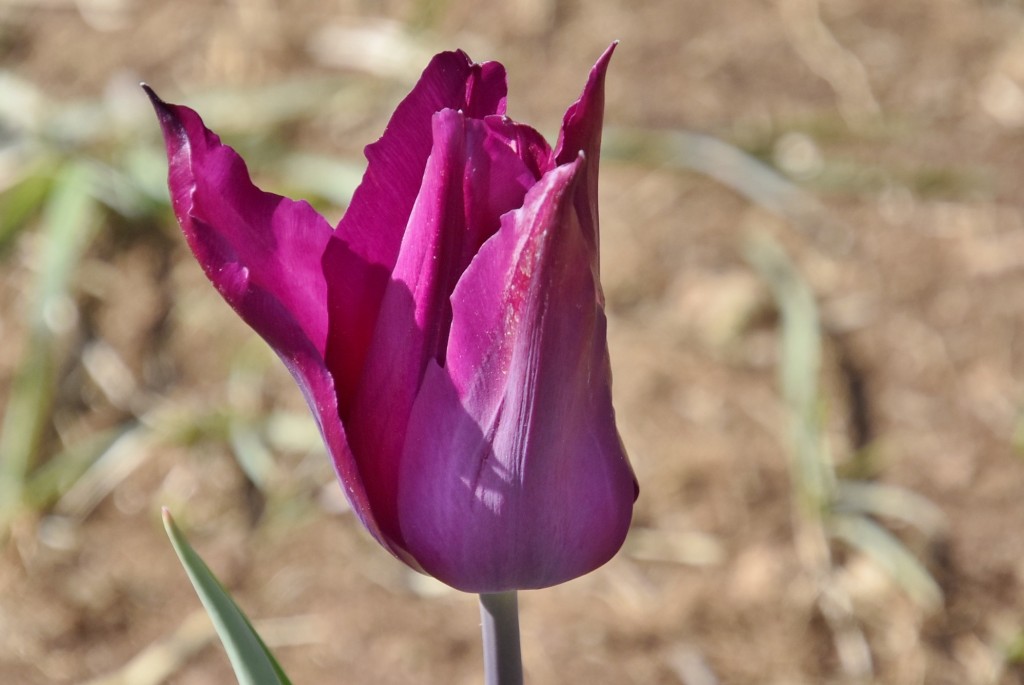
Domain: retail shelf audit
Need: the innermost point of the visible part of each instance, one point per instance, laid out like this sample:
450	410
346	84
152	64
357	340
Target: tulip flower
449	334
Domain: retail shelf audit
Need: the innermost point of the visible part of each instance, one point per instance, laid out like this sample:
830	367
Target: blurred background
813	255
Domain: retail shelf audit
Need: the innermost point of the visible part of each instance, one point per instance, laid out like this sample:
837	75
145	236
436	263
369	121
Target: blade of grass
68	220
889	553
799	366
1014	651
166	423
20	202
733	168
823	495
117	461
893	502
715	158
252	454
251	660
58	475
811	470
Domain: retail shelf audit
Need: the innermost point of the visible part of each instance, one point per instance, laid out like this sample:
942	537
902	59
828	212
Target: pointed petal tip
601	65
581	125
169	119
153	97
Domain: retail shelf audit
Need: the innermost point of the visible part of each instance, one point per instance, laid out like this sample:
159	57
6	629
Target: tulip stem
499	614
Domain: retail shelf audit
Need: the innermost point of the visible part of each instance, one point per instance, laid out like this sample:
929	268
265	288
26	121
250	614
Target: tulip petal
380	207
581	132
513	474
526	142
243	237
472	177
365	246
262	253
581	125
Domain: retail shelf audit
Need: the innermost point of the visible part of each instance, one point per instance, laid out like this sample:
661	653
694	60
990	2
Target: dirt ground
900	126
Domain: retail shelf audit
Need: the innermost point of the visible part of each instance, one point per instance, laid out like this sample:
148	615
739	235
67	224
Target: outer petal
581	132
360	257
262	252
471	178
234	227
513	474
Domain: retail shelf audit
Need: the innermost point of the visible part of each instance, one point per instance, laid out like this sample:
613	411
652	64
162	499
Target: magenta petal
380	207
526	142
362	253
513	474
581	125
262	252
243	237
581	133
472	177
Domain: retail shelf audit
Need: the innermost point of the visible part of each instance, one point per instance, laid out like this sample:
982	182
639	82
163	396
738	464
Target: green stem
499	614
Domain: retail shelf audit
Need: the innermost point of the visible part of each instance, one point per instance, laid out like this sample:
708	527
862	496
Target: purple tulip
449	334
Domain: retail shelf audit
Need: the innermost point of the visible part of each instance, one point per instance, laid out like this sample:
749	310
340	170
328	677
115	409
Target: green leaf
251	660
799	367
20	202
1014	651
890	554
61	471
69	217
891	501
